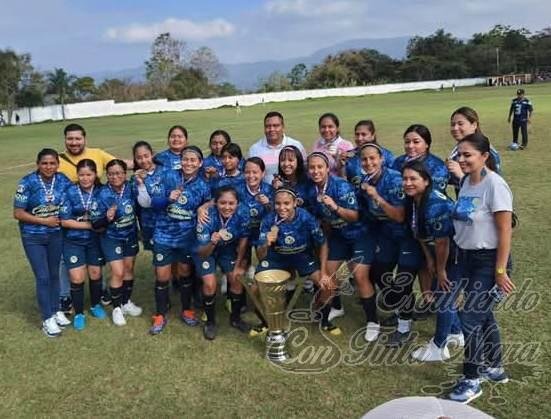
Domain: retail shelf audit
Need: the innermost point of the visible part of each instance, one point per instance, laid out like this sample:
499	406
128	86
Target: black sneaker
66	305
398	339
521	147
240	325
209	331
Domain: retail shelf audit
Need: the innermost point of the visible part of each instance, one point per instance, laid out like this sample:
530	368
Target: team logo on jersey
20	189
128	209
289	240
94	206
199	228
182	199
118	250
159	257
351	200
205	265
253	212
73	259
401	195
438	226
442	185
300	202
264	263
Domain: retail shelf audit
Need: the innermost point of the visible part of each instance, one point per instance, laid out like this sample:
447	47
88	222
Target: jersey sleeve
440	223
316	233
501	197
347	197
203	232
265	227
66	208
395	194
22	195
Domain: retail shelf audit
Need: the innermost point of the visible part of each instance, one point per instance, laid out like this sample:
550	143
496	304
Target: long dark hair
421	169
135	147
301	171
481	143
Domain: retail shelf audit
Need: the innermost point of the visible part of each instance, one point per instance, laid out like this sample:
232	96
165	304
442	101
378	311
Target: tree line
174	72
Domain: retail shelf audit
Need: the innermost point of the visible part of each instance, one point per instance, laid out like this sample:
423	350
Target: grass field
124	372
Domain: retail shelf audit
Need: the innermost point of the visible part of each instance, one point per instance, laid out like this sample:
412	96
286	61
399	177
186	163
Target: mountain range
248	76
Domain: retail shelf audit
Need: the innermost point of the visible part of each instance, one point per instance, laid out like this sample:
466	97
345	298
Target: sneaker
189	318
223	285
331	329
372	331
398	339
51	328
209	331
159	323
105	297
61	320
66	305
258	330
334	313
98	312
431	353
131	309
79	322
457	340
118	317
466	391
494	375
240	325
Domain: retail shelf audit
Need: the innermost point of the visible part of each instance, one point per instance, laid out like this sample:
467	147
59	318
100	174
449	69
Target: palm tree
60	83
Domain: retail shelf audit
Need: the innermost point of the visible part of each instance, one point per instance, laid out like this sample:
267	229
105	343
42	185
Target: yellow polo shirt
100	157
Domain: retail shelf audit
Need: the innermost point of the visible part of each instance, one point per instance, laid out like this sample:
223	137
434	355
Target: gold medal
274	230
225	234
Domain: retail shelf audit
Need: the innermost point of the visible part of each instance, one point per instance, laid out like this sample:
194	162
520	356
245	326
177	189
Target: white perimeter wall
109	107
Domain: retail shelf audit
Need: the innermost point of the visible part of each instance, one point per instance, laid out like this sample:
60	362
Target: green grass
126	373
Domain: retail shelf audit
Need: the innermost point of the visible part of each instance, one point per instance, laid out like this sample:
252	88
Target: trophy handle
296	294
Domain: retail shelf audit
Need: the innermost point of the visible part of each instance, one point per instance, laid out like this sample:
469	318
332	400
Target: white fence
109	107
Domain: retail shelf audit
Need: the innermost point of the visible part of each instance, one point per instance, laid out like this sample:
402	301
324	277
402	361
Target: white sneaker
51	328
250	272
118	317
431	353
308	286
372	331
131	309
224	285
61	319
457	340
334	313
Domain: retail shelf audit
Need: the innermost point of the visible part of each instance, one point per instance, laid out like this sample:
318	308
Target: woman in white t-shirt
483	228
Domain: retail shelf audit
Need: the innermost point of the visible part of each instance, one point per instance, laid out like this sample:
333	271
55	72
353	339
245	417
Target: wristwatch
500	271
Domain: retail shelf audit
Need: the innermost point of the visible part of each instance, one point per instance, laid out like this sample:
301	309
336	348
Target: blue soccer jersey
123	225
301	233
225	180
235	228
176	221
353	168
77	204
169	160
435	166
256	210
41	199
153	185
436	218
344	195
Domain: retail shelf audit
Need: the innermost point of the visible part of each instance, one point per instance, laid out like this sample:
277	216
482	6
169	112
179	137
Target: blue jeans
44	254
482	339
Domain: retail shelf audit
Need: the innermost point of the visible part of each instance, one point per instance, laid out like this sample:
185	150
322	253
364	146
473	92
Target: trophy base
275	348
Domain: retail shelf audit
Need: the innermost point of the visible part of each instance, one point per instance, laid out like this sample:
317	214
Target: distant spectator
521	109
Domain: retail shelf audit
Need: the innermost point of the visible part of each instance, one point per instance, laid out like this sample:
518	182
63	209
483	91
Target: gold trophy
269	298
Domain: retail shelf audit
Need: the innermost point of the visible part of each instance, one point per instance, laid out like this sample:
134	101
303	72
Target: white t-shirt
270	154
474	221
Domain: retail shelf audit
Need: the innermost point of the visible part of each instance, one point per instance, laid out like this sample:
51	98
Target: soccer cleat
431	353
457	340
466	390
331	329
398	339
61	320
159	323
334	313
66	305
258	330
79	322
118	317
494	375
51	328
98	312
240	325
189	318
372	332
209	331
131	309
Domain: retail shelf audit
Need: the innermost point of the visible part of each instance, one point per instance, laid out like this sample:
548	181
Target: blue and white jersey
521	109
389	187
353	167
213	161
76	205
237	226
176	221
256	210
301	189
435	166
436	219
153	185
123	225
225	180
344	195
301	233
454	155
41	199
169	159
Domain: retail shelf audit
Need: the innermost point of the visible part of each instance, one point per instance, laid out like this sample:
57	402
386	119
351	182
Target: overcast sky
95	35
